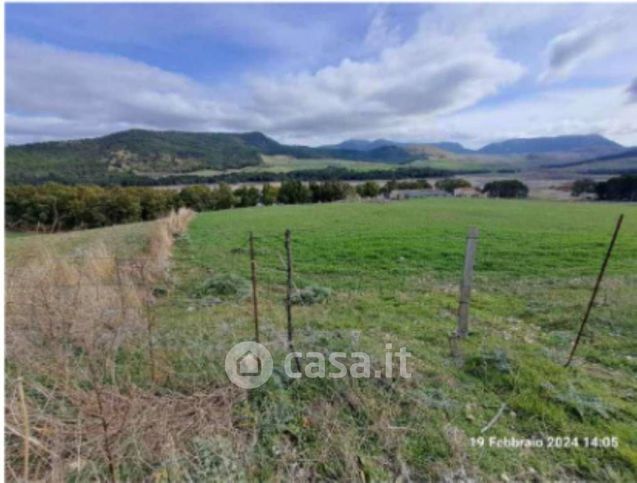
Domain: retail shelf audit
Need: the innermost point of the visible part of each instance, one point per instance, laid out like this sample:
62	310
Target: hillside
445	147
589	145
149	152
137	156
361	144
137	151
624	161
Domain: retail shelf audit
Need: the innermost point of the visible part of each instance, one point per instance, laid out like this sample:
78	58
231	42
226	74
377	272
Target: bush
224	285
369	189
508	188
313	294
450	184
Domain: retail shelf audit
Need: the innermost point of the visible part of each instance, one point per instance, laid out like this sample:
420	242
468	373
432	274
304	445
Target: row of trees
53	207
322	174
619	188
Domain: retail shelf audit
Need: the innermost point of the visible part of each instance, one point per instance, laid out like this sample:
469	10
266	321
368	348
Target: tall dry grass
73	411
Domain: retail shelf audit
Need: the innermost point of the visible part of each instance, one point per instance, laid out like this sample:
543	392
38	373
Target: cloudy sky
315	74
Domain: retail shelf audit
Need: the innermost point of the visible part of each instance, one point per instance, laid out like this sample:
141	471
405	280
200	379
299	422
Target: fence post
255	302
288	297
595	289
465	284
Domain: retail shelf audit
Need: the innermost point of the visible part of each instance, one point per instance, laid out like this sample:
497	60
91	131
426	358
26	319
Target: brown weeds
74	412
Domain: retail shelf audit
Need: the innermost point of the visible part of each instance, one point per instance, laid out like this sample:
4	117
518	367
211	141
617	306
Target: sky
317	74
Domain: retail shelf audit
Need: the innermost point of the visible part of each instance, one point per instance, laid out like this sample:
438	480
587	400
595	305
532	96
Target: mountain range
151	153
588	145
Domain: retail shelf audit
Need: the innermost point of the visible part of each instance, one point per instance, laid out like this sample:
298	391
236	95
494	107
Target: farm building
467	193
412	194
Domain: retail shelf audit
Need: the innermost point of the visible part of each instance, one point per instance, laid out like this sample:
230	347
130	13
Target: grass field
392	270
284	164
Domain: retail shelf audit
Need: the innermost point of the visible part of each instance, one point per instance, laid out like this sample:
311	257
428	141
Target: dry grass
73	412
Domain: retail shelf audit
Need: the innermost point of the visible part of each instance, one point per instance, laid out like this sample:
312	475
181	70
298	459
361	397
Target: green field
285	164
393	271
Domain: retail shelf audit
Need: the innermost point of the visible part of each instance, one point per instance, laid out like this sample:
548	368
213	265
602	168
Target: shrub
224	285
313	294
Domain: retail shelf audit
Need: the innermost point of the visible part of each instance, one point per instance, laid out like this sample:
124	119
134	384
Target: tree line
55	207
323	174
619	188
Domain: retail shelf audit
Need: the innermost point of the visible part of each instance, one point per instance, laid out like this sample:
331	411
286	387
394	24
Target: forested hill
134	150
145	152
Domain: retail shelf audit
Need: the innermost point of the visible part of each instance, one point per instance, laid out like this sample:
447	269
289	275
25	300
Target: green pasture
392	270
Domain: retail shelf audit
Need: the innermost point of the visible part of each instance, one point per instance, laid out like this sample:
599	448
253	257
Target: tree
619	188
223	198
156	203
585	185
507	188
450	184
269	194
247	196
369	189
293	192
197	197
390	186
417	184
123	206
329	191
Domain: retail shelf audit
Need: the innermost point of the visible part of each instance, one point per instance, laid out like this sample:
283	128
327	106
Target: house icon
249	364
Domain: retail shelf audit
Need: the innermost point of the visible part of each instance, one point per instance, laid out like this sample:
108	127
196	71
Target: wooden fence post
288	297
465	284
595	289
255	302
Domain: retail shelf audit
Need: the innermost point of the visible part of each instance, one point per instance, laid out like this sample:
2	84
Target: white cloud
551	113
632	91
435	85
381	33
70	94
576	48
429	74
